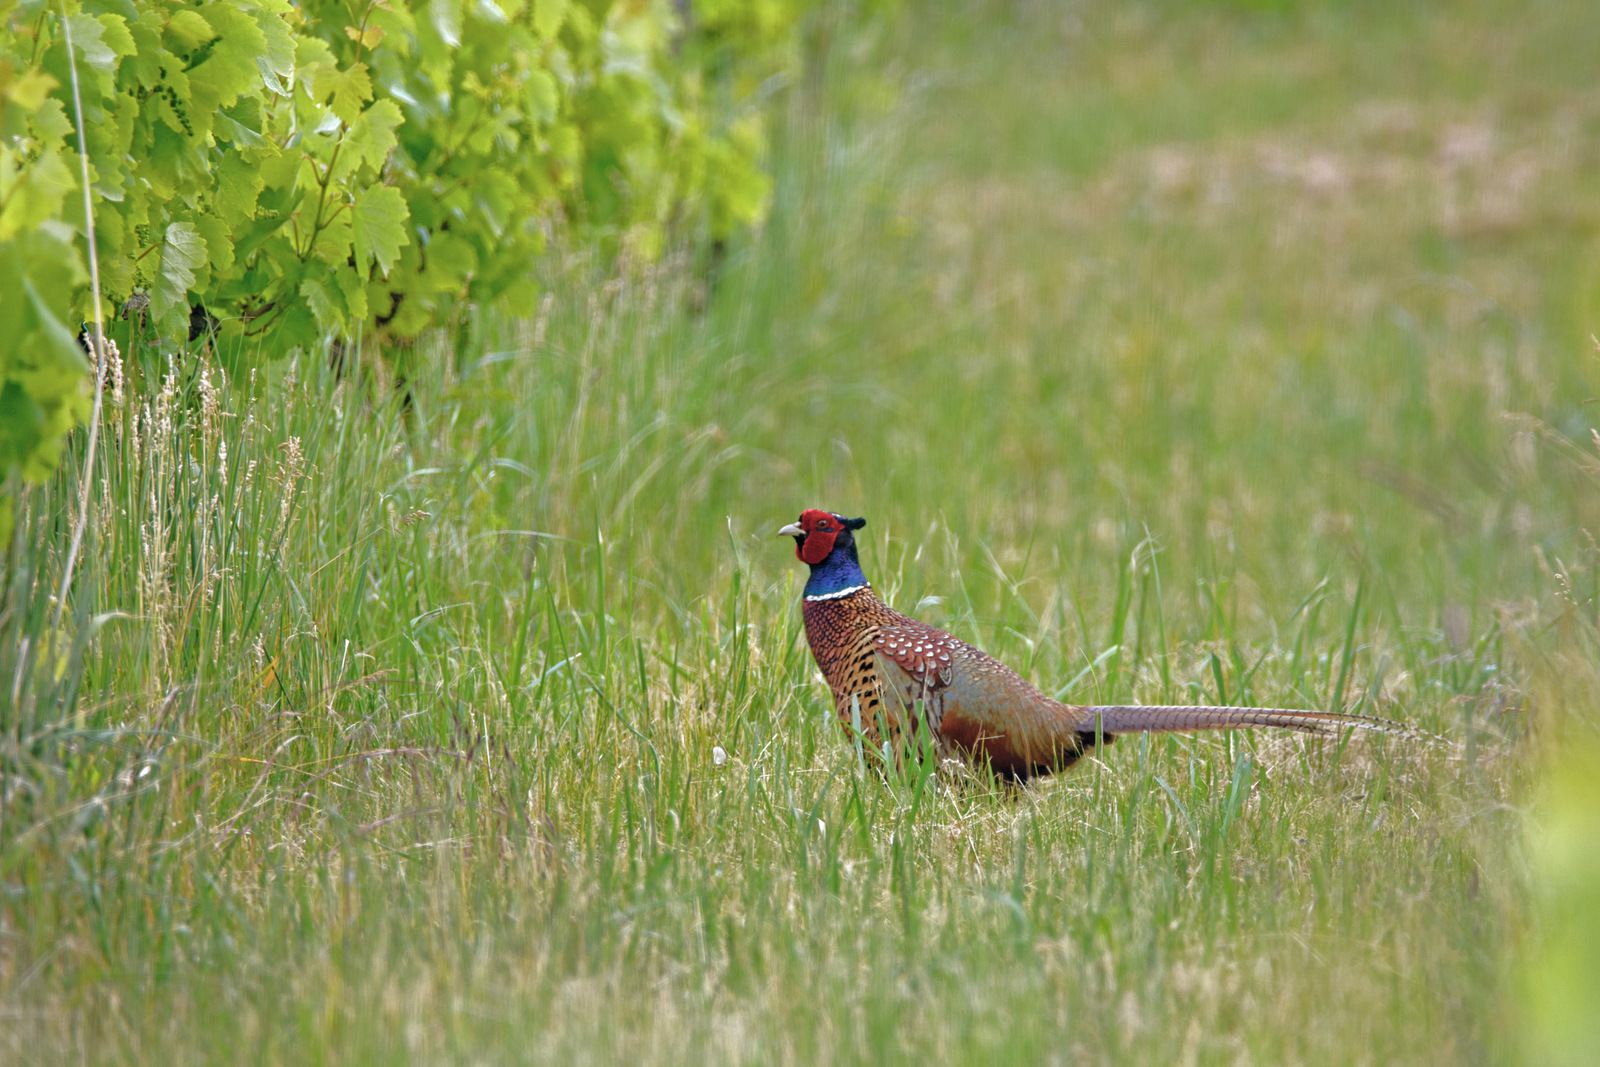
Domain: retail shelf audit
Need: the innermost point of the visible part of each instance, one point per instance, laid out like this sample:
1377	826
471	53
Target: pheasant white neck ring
837	594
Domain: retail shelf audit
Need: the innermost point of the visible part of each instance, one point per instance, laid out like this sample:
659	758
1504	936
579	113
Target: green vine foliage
285	173
42	370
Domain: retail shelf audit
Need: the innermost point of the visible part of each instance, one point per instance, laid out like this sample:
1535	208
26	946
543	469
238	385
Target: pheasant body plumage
891	674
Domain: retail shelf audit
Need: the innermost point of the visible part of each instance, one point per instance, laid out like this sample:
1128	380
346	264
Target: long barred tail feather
1126	718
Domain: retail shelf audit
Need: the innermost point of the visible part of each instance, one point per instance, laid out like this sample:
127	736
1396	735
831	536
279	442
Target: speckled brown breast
842	633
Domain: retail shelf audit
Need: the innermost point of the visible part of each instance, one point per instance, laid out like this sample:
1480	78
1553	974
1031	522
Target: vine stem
99	327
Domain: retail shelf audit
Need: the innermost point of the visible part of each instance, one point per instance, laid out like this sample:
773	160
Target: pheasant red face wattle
814	535
815	548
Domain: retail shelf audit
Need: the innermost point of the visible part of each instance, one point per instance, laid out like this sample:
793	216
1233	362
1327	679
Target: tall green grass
1169	353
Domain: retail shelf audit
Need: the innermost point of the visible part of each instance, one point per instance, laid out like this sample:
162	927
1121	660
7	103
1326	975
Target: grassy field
1185	352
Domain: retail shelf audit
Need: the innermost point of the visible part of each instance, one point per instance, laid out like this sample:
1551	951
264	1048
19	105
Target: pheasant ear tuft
854	524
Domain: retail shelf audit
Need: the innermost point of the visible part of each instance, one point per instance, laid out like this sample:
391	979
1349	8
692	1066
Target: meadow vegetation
1174	353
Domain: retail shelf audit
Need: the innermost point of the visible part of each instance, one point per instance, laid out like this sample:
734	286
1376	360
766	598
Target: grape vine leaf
351	87
369	38
371	137
321	304
355	291
548	16
29	89
65	365
219	241
276	62
86	34
446	15
183	251
231	68
189	29
238	185
378	226
116	36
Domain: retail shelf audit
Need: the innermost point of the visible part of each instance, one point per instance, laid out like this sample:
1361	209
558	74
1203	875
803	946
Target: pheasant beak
792	530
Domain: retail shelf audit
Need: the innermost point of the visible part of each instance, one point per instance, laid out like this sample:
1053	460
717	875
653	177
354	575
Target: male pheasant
887	669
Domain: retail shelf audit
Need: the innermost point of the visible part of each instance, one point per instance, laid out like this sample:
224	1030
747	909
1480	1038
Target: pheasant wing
914	674
974	702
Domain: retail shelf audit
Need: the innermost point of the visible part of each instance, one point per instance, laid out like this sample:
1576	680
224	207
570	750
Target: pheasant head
827	543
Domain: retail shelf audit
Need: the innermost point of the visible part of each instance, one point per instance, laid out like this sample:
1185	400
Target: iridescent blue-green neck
837	575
